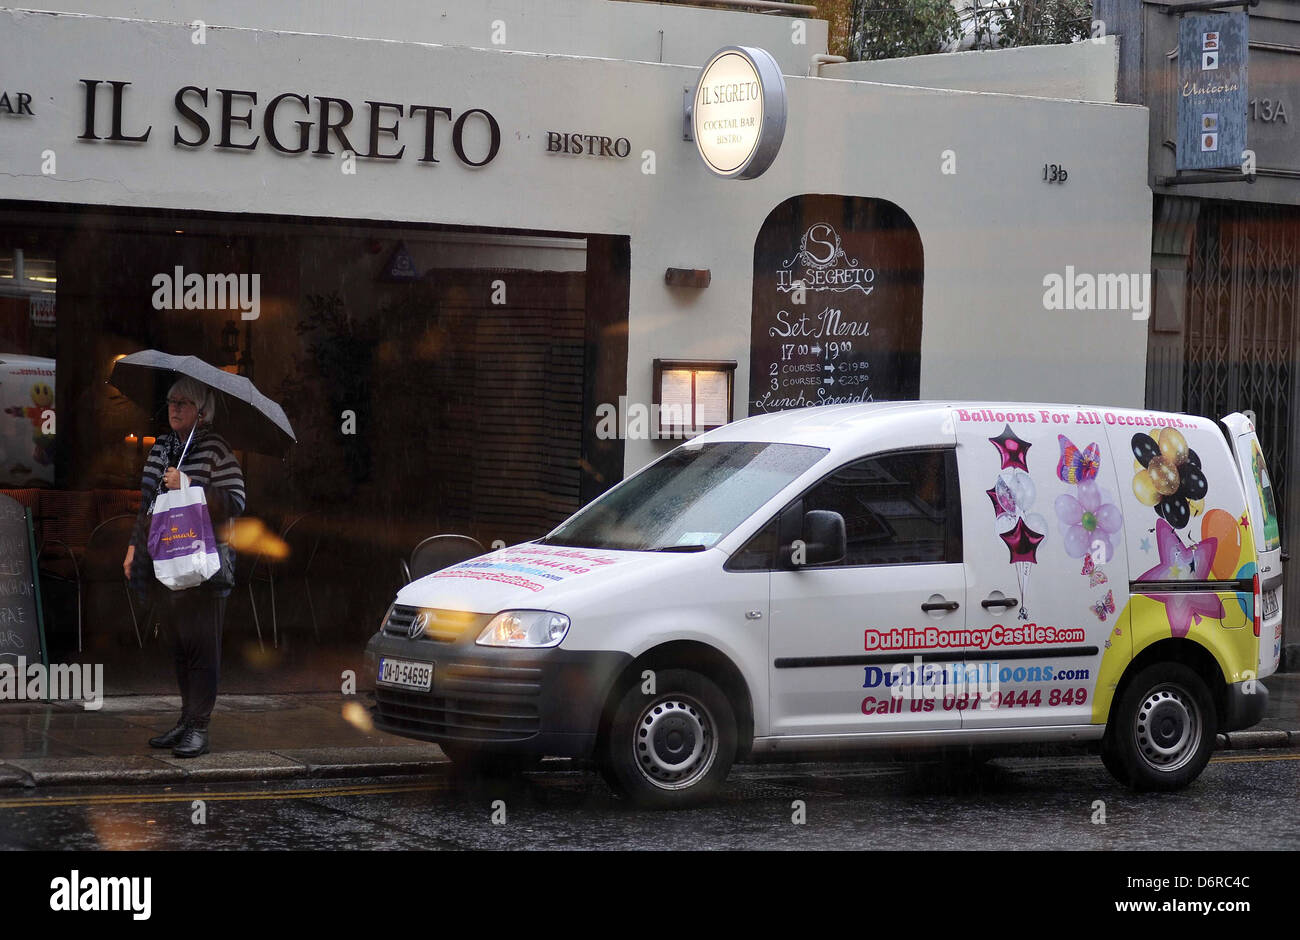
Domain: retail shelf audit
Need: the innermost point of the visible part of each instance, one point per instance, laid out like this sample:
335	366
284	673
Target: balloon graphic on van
1022	542
1222	527
1075	465
1013	451
1179	562
1013	494
1170	477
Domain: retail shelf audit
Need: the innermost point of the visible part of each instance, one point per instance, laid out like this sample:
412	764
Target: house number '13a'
1268	110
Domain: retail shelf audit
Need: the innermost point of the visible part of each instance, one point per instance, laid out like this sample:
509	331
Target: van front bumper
1244	708
544	702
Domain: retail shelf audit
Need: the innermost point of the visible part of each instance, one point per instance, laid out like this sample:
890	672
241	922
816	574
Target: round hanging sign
738	112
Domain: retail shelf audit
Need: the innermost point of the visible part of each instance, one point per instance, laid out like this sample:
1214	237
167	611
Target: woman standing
195	614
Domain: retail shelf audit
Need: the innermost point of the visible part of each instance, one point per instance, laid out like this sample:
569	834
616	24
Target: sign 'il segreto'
738	112
292	123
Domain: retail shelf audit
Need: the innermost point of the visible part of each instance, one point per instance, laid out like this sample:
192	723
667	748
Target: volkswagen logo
416	629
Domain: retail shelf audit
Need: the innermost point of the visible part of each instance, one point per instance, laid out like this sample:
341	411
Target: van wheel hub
1167	728
675	743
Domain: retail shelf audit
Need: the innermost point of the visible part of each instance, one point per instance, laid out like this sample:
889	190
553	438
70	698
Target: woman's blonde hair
197	392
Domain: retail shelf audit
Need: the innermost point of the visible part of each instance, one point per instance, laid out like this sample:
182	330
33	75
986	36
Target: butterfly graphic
1091	568
1076	466
1104	606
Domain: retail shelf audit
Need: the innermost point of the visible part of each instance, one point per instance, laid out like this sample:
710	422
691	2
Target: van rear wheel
674	747
1162	730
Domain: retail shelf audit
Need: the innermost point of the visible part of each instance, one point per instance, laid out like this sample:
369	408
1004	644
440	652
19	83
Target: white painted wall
991	232
644	32
1081	71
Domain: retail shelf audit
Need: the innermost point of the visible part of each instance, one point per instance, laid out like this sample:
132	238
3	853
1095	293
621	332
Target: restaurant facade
484	263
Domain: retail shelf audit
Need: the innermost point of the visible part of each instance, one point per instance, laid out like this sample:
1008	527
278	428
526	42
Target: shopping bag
181	540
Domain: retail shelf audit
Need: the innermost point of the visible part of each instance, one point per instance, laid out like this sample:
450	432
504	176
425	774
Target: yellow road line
1252	760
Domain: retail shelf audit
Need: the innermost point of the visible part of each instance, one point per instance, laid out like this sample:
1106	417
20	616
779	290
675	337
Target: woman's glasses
179	403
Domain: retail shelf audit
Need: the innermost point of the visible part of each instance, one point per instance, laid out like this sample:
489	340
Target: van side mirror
823	538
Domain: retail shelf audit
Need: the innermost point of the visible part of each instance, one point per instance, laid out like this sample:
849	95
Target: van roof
837	426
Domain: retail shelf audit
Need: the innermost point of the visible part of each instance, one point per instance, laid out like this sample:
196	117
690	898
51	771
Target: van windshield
689	499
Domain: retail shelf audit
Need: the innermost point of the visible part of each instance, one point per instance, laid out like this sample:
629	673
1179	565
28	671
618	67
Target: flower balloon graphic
1090	522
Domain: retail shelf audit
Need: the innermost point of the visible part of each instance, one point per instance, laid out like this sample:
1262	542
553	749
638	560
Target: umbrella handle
186	448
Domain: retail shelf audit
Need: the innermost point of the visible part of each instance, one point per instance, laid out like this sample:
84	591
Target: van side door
1046	563
838	630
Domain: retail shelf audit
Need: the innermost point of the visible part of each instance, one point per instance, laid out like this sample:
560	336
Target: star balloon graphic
1179	562
1022	542
1012	449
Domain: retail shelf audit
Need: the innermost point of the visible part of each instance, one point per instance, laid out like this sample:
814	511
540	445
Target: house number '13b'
1054	173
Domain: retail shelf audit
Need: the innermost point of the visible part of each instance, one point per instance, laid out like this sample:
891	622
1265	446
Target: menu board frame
726	367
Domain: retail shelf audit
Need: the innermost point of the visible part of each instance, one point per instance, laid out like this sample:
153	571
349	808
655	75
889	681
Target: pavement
299	735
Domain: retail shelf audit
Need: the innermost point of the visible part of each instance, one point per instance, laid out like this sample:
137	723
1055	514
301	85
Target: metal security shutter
1242	313
1243	316
523	430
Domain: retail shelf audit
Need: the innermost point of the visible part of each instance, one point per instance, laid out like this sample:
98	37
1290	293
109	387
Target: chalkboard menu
21	633
836	312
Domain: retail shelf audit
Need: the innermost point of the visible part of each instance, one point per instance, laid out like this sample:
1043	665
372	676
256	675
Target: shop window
27	358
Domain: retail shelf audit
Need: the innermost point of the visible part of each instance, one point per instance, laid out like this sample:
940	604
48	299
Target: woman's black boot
171	738
194	741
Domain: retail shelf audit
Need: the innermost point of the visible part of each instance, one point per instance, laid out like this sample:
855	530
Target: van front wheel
1162	731
671	748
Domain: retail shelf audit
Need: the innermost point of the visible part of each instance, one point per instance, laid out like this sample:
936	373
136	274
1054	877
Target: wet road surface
1020	803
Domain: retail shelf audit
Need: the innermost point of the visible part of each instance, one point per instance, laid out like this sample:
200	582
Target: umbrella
246	418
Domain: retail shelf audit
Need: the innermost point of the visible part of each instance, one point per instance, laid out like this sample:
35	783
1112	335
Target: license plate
406	674
1270	604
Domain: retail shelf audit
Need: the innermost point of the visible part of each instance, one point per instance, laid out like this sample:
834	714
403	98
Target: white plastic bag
181	540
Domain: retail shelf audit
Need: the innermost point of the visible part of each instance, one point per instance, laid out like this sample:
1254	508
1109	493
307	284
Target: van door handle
1006	603
939	605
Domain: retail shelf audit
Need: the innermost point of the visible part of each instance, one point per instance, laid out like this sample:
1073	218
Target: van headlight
531	629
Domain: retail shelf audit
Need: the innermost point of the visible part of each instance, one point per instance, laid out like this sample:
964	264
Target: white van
866	576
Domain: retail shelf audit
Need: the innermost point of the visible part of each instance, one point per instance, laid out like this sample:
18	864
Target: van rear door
1268	542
